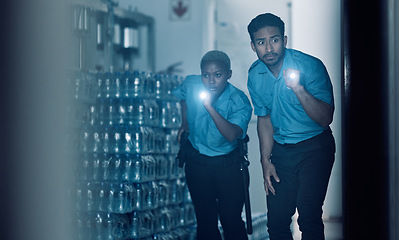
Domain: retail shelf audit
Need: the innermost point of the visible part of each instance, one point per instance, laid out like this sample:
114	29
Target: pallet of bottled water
124	133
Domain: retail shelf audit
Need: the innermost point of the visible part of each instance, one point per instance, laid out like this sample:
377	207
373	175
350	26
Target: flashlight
292	75
203	95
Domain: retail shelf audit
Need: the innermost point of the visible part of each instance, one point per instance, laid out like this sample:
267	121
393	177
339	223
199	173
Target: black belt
221	160
310	140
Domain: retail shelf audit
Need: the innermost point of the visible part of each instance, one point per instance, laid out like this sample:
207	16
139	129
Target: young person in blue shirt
215	114
293	98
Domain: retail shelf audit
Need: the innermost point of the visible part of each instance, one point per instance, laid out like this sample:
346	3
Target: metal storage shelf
90	15
97	5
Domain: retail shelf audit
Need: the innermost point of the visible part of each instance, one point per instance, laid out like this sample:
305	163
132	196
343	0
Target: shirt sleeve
262	104
180	91
187	86
319	84
241	111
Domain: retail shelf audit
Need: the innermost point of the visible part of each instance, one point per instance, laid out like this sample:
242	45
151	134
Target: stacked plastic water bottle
259	222
129	185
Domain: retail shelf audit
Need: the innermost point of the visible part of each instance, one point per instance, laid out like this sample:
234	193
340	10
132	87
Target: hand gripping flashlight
291	77
203	95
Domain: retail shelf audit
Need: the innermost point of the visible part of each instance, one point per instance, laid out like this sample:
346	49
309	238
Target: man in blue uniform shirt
293	99
215	114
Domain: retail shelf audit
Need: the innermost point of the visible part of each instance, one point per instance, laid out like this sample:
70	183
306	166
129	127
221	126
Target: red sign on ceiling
180	10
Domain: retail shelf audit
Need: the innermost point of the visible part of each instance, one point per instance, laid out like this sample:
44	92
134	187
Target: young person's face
214	77
269	45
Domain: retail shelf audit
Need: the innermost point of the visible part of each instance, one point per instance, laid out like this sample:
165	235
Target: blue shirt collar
222	101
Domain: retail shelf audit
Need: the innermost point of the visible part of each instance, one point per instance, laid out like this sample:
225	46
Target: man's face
269	45
214	77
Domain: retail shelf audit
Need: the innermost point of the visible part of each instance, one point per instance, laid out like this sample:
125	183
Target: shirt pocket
267	94
263	102
268	100
214	138
289	96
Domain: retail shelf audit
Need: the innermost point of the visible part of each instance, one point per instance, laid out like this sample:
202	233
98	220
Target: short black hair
265	20
217	56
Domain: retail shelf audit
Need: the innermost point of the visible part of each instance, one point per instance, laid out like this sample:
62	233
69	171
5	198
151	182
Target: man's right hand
269	171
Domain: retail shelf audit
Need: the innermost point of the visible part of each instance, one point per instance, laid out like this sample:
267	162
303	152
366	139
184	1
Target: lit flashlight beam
203	95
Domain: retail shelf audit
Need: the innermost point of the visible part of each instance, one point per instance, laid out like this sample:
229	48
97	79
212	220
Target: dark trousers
216	188
304	170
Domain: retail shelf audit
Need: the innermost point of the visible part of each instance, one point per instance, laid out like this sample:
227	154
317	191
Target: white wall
316	30
175	41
